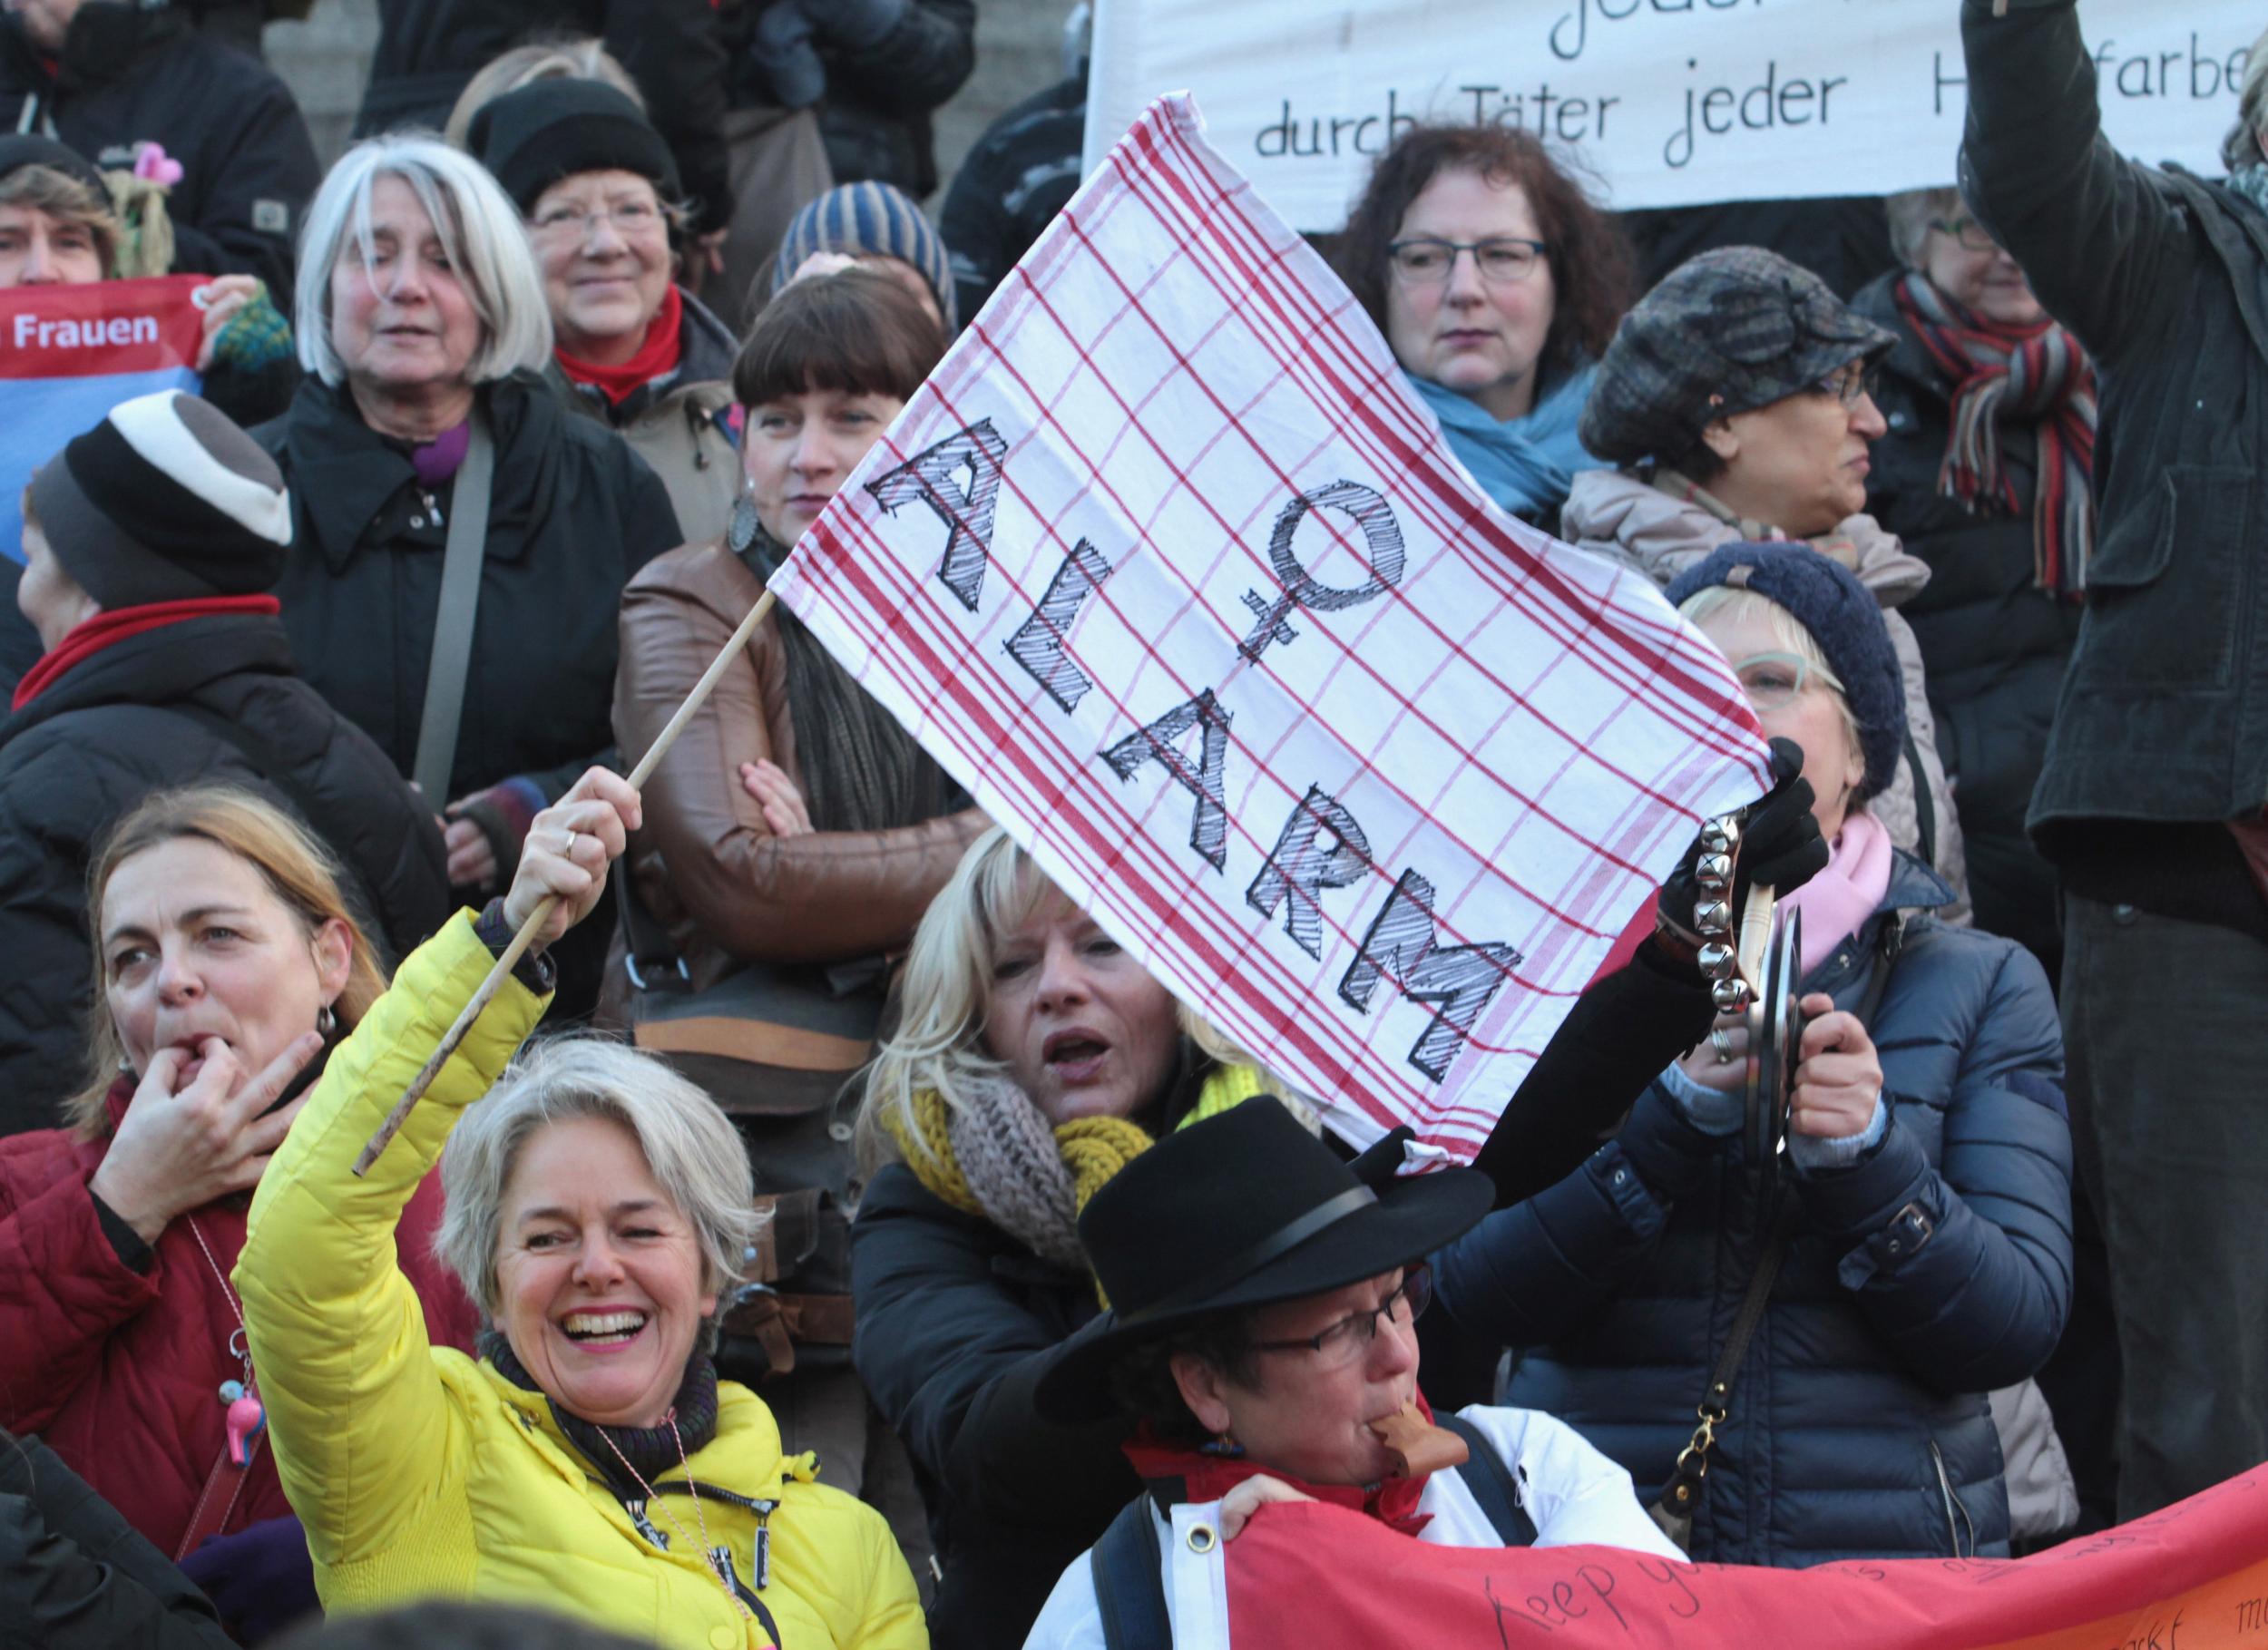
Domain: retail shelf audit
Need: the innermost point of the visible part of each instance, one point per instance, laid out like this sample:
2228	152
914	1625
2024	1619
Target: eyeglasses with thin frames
1968	232
1855	383
1772	681
1341	1342
1419	261
630	219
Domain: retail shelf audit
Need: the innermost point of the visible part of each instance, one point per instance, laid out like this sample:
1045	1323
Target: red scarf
658	355
83	641
2034	376
1208	1478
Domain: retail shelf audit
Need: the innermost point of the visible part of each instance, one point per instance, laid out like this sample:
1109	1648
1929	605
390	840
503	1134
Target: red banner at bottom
2191	1577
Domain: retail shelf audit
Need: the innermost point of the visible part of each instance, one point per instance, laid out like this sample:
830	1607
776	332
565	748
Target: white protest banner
1671	102
1168	567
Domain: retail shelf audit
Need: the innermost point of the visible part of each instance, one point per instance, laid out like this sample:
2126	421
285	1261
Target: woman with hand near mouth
1985	473
791	841
1497	284
630	347
600	1210
1737	400
227	965
419	308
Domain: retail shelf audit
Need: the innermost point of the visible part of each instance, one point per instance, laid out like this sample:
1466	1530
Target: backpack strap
1490	1483
1128	1567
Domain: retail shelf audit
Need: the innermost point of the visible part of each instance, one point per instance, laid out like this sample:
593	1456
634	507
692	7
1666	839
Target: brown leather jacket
704	847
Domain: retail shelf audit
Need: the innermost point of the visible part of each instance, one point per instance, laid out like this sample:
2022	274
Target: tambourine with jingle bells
1755	969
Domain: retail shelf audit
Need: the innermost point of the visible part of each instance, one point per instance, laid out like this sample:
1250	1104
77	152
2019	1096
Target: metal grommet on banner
1202	1539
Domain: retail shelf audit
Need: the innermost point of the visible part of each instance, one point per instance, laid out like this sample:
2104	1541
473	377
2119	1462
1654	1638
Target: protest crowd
829	1232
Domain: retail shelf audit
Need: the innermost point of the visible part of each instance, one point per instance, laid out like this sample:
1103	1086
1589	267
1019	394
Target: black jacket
129	74
572	513
2165	278
1010	186
74	1576
428	49
1996	645
875	114
1932	1271
204	698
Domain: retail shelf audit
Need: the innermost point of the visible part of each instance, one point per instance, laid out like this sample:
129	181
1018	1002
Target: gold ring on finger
1720	1040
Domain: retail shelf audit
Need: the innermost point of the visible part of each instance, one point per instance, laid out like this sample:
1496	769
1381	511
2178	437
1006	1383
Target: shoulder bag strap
1924	806
466	547
1129	1570
1489	1479
224	1486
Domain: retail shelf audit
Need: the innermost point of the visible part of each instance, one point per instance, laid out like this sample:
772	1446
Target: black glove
1780	843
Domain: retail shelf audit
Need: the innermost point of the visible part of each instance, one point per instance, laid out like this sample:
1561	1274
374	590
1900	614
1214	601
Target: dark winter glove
782	49
855	26
260	1580
1780	845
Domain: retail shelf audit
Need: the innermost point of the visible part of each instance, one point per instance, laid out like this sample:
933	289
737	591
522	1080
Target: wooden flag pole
523	939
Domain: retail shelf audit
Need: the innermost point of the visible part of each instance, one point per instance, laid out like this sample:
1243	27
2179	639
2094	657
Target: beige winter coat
1628	517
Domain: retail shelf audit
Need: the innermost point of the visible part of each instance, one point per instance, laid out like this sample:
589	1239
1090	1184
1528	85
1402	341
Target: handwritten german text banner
1672	101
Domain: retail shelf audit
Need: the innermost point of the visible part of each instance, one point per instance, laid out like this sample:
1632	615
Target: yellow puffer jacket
417	1471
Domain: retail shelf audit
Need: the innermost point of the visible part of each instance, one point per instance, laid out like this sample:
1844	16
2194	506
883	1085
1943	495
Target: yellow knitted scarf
1093	1148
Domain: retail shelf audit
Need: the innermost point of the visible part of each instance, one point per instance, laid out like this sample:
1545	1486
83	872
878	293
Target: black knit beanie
554	129
165	500
1843	616
20	150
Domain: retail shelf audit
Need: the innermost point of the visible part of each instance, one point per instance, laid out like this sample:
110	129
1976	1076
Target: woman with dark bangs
1497	284
792	839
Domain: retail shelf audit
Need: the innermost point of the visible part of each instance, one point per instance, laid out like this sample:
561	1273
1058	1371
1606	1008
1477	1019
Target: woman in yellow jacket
598	1208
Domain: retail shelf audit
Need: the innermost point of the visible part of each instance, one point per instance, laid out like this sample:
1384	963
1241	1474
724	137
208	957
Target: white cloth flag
1167	565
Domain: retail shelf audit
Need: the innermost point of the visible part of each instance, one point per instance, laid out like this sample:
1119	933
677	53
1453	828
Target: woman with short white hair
599	1214
418	302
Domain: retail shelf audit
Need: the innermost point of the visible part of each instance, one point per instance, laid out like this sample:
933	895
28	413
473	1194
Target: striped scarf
1994	376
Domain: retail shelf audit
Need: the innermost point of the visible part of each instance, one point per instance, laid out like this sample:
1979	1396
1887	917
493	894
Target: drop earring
1222	1445
326	1022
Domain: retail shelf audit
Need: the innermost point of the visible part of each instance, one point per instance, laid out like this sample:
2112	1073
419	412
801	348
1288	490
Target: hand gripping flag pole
529	929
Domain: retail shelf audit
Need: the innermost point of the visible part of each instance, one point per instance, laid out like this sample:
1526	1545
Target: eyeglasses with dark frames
1966	231
1426	261
1343	1342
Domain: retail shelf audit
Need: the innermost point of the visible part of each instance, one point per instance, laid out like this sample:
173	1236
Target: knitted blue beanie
870	216
1843	616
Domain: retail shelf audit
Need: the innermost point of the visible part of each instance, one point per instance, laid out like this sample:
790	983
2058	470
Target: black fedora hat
1244	1209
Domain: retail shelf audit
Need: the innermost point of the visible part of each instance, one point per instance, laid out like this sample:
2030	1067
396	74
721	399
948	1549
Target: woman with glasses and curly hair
1497	284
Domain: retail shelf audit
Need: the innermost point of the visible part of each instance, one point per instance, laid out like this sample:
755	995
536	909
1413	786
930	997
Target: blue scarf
1525	465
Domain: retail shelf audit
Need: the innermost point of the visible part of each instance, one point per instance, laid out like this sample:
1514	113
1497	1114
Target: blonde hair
1729	601
69	201
298	870
566	57
481	236
945	995
2240	148
689	1145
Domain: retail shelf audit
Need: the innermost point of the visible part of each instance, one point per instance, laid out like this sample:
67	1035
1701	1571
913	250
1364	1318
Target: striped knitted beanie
870	218
165	500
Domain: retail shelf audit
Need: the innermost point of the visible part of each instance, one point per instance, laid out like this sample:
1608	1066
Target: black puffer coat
205	698
1994	643
131	74
74	1576
572	513
1935	1270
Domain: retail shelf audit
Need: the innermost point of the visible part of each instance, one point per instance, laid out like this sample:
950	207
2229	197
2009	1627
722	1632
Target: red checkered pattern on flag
1167	564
